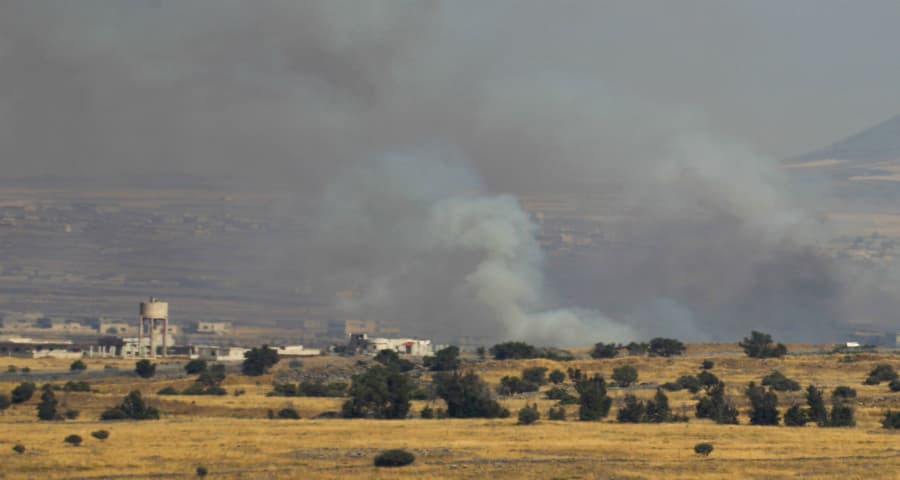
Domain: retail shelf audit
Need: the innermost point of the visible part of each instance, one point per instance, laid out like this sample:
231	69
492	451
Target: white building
296	351
403	346
214	353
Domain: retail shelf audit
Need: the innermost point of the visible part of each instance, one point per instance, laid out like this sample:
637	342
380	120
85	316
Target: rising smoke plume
344	101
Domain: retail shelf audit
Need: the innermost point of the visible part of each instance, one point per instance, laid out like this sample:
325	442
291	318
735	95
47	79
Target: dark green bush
632	411
556	413
514	385
23	392
703	449
202	471
561	395
132	407
843	392
258	361
100	434
77	366
763	405
80	386
529	414
795	416
666	347
536	375
894	385
707	365
394	458
780	383
467	396
5	402
391	359
443	360
168	391
71	414
195	366
74	440
604	350
427	412
557	376
145	369
842	415
881	373
716	406
288	413
19	448
514	350
690	383
671	386
891	420
760	345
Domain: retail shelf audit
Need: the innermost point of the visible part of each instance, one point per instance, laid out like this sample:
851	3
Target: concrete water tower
153	315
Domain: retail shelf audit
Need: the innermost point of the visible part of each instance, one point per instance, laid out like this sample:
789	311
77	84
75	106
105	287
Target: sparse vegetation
19	448
394	458
132	407
760	345
780	383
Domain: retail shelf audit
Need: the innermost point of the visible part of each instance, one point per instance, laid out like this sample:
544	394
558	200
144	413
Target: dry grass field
232	437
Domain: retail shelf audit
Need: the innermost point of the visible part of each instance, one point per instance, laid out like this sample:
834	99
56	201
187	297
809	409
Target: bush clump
561	395
19	448
258	361
394	458
891	420
894	385
604	350
145	369
202	471
557	376
881	373
780	383
100	434
625	376
168	391
23	392
80	386
703	449
760	345
556	413
132	407
529	414
288	413
195	367
666	347
74	440
707	365
77	366
843	392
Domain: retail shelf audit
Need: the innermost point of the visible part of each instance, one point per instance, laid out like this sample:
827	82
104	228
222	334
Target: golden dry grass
231	436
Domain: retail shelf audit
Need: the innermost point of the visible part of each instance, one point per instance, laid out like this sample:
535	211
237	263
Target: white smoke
427	231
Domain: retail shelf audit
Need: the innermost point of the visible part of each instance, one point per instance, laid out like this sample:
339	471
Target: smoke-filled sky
685	106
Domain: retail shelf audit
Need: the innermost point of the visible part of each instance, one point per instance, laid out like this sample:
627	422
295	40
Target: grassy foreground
231	437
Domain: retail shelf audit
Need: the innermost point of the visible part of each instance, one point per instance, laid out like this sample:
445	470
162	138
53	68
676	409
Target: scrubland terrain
231	436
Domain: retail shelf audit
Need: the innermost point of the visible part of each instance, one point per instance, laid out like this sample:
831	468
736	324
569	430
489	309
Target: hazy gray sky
213	85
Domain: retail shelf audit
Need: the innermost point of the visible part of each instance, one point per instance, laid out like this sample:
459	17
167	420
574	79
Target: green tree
133	407
760	345
513	385
716	406
46	409
391	359
212	376
816	411
557	376
593	401
632	411
891	420
444	360
638	349
145	369
258	361
514	350
529	414
881	373
795	416
195	366
379	392
467	396
779	382
625	375
23	392
658	410
77	366
666	347
604	350
763	405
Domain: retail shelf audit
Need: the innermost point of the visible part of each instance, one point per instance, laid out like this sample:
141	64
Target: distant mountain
874	144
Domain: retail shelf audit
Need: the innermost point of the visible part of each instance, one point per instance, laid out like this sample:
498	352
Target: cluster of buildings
152	335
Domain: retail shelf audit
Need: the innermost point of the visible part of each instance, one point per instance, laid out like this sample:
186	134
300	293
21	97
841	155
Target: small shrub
394	458
19	448
529	415
132	407
690	383
514	385
703	449
535	375
427	412
239	391
202	471
80	386
25	369
288	413
77	366
671	386
556	413
557	376
168	391
5	402
604	350
842	415
100	434
707	365
71	414
891	420
708	379
74	440
843	392
894	385
632	411
881	373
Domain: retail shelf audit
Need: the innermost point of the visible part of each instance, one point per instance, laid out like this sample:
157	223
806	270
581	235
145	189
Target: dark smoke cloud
476	99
